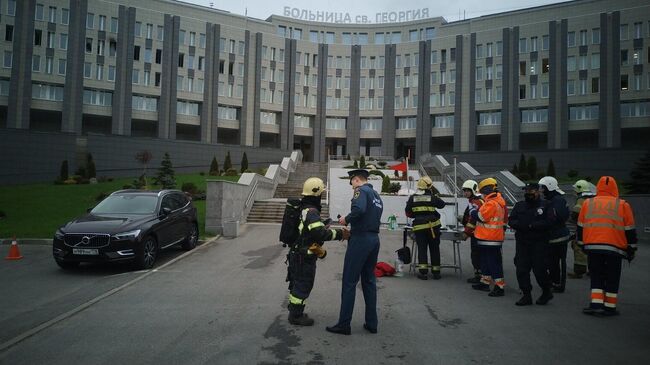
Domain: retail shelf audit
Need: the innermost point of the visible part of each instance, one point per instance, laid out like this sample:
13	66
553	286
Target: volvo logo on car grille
84	241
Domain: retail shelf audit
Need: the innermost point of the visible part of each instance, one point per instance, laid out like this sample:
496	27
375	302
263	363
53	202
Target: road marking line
27	334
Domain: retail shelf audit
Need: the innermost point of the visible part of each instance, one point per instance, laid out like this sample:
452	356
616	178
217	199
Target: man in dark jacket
559	233
303	254
531	220
422	206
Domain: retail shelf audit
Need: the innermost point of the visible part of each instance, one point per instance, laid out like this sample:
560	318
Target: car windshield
127	204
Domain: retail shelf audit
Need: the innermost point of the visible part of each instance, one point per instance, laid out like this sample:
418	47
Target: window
489	118
544	90
227	113
522	68
545	65
65	16
624	32
533	91
111	73
101	46
430	33
335	123
595	85
498	93
635	109
149	31
443	121
144	103
583	87
40	10
181	59
499	71
583	37
89	45
329	37
534	115
479	73
638	30
188	108
11	7
523	45
112	48
102	22
636	56
180	83
36	63
488	73
533	44
434	57
135	76
52	15
9	33
157	79
297	34
158	56
147	55
137	29
97	97
90	21
396	37
50	39
62	66
452	98
38	37
47	92
571	87
136	53
637	82
479	51
595	36
488	50
99	72
488	95
452	55
313	36
571	39
371	124
595	61
545	42
583	112
114	23
478	96
88	70
499	51
582	63
346	38
406	123
624	57
571	63
160	33
522	92
379	38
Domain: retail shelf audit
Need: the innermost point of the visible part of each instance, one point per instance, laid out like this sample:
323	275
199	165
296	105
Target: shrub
189	187
362	162
639	182
140	182
550	170
244	163
522	163
81	171
202	173
514	170
103	179
77	178
572	173
531	167
70	182
382	164
385	184
101	196
214	167
377	172
58	182
63	175
394	188
91	171
231	172
227	164
355	164
166	176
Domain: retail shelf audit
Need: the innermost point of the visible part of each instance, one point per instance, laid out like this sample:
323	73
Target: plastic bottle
399	267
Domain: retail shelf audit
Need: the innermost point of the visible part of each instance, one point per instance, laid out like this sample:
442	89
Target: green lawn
37	210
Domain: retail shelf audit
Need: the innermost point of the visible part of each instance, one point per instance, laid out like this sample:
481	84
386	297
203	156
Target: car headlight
127	235
59	235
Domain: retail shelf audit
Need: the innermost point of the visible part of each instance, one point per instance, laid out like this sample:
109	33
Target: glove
345	233
464	236
631	252
318	250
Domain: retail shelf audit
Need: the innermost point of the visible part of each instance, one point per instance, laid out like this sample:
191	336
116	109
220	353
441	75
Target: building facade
564	76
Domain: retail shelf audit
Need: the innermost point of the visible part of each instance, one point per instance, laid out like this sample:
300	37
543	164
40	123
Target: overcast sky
450	10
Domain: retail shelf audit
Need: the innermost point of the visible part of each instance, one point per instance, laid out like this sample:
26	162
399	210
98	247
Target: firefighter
559	233
607	233
308	247
422	206
531	219
361	254
491	219
583	190
470	190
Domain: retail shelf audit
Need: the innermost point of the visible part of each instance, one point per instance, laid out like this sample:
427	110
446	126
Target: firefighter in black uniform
426	224
308	247
531	219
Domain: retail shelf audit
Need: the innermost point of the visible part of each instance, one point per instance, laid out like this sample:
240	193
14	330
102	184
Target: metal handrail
251	195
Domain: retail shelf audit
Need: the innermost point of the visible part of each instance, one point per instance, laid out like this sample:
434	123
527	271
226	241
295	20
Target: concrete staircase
271	210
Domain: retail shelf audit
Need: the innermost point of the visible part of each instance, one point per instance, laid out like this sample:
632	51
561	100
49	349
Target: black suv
128	225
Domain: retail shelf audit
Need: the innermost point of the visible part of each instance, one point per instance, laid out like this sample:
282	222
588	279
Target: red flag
400	167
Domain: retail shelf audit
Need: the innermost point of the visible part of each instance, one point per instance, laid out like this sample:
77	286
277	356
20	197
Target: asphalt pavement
225	303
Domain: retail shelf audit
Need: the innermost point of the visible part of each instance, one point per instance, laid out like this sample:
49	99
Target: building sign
346	18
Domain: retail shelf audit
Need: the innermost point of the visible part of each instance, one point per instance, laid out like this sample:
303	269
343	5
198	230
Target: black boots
526	299
423	275
297	317
497	292
339	330
557	288
545	297
481	286
475	279
436	275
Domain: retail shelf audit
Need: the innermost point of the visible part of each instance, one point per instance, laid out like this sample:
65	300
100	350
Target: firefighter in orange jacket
491	219
606	231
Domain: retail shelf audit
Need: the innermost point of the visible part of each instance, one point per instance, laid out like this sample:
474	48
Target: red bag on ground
384	269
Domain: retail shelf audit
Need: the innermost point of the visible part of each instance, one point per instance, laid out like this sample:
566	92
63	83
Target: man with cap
422	206
559	233
361	254
584	190
531	219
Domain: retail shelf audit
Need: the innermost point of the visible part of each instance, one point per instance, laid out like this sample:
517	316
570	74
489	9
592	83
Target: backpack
289	232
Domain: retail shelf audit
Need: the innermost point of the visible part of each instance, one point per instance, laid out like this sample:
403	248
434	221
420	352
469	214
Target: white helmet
550	183
471	185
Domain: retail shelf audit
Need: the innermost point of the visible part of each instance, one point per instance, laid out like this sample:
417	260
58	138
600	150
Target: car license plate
85	251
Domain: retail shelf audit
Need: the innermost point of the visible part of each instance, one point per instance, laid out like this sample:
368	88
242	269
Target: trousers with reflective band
604	220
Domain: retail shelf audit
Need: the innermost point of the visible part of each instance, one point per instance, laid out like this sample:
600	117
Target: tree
355	164
385	184
144	157
550	170
514	170
531	167
640	176
214	167
64	170
244	163
227	164
522	164
91	171
166	176
362	162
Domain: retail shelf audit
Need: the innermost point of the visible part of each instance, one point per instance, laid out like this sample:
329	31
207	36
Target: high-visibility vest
492	220
604	220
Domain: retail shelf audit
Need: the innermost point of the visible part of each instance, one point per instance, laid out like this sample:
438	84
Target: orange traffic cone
14	252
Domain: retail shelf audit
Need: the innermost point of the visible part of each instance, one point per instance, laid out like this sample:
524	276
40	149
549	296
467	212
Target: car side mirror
165	211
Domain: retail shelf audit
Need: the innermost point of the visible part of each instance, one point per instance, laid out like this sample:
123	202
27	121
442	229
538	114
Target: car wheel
148	254
67	265
192	237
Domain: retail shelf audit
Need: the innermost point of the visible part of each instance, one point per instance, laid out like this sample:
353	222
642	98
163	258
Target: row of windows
357	38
